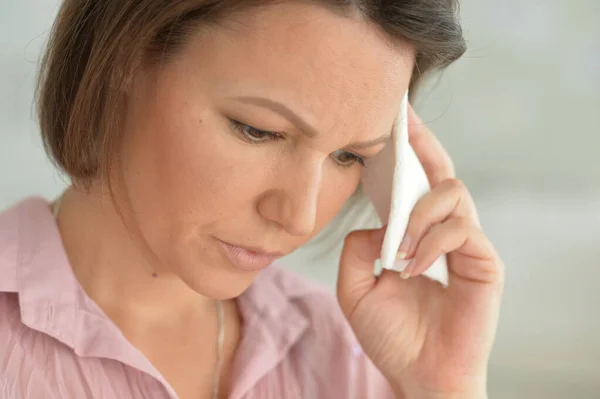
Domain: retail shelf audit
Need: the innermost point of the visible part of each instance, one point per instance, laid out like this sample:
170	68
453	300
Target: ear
394	181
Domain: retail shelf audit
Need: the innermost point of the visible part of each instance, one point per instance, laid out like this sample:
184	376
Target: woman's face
250	141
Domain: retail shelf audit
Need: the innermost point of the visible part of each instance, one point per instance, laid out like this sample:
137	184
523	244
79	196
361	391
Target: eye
347	159
252	134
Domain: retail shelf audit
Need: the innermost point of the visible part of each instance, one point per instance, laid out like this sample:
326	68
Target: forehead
318	61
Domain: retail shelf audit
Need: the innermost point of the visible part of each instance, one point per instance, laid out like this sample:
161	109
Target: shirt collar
50	297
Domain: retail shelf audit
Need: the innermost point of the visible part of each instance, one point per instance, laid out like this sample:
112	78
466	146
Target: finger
457	236
435	159
356	273
449	199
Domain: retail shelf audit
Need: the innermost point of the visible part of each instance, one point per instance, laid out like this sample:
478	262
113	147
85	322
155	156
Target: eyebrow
372	143
306	128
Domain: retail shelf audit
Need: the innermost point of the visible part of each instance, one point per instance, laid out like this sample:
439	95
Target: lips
248	259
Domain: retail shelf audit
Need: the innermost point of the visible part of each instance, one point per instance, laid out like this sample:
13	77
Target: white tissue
395	180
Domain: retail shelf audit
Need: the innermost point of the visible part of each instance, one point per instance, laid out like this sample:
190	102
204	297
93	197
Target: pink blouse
56	343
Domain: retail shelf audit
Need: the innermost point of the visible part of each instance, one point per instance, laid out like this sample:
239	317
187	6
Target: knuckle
423	208
493	273
456	185
436	233
356	240
418	226
417	215
351	238
463	224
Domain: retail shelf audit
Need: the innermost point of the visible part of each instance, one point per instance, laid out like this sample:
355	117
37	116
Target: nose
292	203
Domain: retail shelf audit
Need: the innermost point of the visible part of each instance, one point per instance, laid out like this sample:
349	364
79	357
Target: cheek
182	179
199	170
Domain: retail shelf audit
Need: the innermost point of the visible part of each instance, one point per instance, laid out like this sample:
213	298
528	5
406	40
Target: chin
217	281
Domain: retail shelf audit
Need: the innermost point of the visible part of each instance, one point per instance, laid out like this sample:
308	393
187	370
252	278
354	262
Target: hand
429	341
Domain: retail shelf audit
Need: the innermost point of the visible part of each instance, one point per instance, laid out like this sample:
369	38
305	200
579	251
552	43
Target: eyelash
242	129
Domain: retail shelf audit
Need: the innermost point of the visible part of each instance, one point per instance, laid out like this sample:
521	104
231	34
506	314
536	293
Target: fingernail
404	248
405	274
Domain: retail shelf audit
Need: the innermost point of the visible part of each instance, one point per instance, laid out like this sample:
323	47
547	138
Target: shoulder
9	222
13	333
19	378
15	223
25	353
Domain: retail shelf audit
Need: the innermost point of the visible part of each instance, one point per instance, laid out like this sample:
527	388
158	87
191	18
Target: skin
215	183
430	341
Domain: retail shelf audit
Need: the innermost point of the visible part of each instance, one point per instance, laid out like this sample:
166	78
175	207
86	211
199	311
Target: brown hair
94	46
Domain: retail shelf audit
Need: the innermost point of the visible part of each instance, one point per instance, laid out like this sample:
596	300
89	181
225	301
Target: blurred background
519	115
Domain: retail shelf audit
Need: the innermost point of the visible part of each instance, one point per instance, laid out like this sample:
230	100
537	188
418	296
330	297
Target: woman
206	139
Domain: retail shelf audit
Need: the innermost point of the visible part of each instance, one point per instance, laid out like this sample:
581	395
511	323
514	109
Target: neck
116	268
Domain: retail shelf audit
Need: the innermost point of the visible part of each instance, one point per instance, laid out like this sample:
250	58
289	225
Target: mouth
247	258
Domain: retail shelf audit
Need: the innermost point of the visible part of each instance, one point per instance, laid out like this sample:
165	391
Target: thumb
356	273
